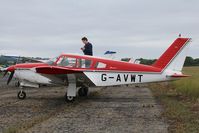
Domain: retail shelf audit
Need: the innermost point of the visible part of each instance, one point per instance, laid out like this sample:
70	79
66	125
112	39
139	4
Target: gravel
105	110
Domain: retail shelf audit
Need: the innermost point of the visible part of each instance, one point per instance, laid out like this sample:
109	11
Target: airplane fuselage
29	76
121	78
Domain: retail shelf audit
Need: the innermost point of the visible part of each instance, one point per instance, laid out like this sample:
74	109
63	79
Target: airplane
79	72
110	54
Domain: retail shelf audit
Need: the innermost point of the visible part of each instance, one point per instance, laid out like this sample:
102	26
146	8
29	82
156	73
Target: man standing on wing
88	48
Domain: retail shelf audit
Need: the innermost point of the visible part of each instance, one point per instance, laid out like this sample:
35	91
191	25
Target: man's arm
83	49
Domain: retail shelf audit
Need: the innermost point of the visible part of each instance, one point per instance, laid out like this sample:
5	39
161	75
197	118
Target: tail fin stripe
171	53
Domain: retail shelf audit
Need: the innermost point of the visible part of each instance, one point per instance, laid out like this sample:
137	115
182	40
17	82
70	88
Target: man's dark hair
84	39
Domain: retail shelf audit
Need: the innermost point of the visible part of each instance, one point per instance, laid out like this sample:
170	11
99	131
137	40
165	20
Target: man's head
84	40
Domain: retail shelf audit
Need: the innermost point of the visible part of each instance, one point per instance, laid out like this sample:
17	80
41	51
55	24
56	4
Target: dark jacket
88	49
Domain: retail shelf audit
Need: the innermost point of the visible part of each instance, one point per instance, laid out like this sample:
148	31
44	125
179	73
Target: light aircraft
79	72
110	54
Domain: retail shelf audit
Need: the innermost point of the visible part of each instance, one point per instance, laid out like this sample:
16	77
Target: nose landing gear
21	95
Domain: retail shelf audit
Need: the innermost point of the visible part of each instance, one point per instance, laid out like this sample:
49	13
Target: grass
189	86
180	100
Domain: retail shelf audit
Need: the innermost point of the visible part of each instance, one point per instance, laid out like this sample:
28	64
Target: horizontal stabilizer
179	76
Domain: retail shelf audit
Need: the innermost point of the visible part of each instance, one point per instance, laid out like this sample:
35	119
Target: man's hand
82	49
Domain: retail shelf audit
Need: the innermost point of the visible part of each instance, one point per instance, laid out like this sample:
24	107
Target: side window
83	63
67	62
100	65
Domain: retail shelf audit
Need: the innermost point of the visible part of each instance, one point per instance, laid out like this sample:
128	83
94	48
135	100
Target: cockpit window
67	62
52	61
100	65
84	63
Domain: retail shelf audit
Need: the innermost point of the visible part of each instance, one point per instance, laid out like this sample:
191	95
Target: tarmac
121	109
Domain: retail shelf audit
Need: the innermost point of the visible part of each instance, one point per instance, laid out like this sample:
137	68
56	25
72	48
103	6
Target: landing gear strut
17	84
21	95
72	88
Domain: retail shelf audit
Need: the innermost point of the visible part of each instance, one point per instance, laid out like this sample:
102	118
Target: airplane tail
174	57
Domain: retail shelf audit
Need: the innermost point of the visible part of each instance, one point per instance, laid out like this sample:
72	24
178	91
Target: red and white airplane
79	72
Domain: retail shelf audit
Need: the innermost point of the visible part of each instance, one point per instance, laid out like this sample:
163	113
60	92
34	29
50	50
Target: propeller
5	73
10	77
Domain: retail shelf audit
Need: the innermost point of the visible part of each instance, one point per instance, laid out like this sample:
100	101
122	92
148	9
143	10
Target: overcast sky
133	28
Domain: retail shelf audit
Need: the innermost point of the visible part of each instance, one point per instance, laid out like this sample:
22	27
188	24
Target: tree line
189	61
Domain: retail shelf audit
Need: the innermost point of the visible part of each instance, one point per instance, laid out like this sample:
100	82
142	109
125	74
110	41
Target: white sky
132	28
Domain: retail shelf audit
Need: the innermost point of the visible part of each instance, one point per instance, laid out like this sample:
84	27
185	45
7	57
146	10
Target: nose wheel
21	95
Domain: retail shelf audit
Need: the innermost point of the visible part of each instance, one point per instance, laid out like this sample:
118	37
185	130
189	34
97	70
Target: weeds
181	102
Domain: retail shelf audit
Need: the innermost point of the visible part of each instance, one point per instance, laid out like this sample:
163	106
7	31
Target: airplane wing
55	70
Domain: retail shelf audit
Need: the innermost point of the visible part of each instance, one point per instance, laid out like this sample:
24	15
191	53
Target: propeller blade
5	74
10	77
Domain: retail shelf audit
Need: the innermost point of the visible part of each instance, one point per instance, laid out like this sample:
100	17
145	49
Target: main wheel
21	95
83	91
70	98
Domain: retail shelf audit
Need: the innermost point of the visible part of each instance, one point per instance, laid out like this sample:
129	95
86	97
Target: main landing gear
82	92
72	89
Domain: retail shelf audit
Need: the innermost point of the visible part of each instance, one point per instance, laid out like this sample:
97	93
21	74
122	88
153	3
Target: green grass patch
189	86
181	111
180	100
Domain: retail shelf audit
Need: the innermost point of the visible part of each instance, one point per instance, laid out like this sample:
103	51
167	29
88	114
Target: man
88	48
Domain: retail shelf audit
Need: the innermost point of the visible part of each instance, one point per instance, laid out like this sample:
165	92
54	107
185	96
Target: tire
83	91
70	99
21	95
